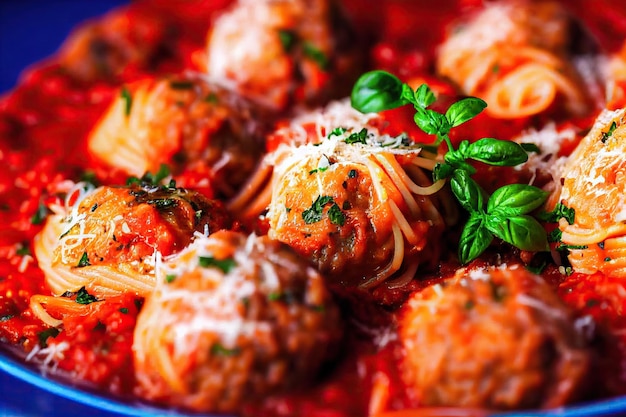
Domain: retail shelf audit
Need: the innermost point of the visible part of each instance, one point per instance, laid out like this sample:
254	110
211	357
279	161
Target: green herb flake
212	98
83	297
128	100
181	85
336	216
607	259
94	207
23	250
338	131
217	349
45	334
360	137
169	278
316	55
40	215
123	310
606	135
274	296
162	203
469	304
555	235
353	173
90	178
315	212
84	261
288	39
225	265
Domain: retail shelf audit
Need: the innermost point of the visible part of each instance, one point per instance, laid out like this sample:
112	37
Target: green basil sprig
506	213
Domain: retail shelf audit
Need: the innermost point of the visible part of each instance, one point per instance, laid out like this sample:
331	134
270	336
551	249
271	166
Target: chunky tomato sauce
43	127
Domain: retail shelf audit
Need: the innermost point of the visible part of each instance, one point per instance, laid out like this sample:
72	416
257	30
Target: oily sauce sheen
44	125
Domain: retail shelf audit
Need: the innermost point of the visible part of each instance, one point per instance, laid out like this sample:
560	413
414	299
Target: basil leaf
376	91
432	122
424	96
475	238
516	199
523	231
467	191
464	110
497	152
442	171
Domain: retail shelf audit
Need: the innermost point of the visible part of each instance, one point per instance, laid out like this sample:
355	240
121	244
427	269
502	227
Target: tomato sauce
43	127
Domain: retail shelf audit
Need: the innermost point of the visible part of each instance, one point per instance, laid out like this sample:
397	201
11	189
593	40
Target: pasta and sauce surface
196	215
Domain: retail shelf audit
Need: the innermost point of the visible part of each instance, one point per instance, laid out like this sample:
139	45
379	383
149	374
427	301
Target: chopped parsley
607	259
320	169
315	213
606	135
23	250
94	207
40	215
219	350
353	173
84	261
225	265
336	216
287	38
123	310
560	211
44	335
90	177
315	54
555	235
169	278
162	203
128	100
211	98
83	297
338	131
359	137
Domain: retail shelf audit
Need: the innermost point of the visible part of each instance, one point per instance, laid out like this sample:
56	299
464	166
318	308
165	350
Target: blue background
31	30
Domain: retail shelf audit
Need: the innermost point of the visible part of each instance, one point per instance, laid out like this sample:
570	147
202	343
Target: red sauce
43	127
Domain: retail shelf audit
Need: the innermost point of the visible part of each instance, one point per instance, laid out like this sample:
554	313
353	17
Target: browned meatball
123	41
496	338
107	238
184	122
233	319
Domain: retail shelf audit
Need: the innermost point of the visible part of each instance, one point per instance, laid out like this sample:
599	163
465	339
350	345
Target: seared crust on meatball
233	319
496	338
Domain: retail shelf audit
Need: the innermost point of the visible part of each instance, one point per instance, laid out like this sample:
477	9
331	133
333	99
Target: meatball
515	56
285	51
123	42
497	338
357	202
106	240
593	189
233	319
181	121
